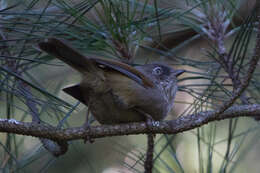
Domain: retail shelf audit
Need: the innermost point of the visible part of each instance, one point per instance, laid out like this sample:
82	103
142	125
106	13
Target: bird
116	92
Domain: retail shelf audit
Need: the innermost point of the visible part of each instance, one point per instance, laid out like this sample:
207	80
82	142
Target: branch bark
181	124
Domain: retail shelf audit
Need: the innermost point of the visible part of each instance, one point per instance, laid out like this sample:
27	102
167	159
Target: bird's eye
101	66
157	71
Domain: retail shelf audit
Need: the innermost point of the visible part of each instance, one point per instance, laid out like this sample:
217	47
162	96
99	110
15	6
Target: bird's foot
88	138
150	123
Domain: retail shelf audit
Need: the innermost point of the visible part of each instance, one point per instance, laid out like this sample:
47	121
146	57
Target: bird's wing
126	70
76	92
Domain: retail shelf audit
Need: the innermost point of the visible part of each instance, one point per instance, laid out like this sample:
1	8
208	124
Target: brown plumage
117	92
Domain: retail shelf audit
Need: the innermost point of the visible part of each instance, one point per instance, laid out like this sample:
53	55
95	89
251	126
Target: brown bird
116	92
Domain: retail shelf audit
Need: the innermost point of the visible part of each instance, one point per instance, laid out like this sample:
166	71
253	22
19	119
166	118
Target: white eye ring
157	71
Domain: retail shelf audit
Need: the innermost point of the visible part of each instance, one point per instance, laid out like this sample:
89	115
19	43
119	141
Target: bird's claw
88	138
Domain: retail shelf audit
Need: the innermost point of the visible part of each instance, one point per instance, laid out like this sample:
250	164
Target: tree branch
167	127
253	63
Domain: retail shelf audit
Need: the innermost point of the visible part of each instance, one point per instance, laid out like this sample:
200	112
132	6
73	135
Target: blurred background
190	35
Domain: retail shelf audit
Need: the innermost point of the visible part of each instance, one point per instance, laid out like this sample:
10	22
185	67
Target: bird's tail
66	53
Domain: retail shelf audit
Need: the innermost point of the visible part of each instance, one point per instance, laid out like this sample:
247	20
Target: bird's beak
179	72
